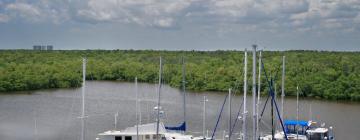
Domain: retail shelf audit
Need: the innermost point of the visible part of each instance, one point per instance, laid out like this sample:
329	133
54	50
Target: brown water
53	114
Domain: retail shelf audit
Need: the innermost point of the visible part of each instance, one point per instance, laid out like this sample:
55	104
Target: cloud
142	12
293	6
258	15
272	15
4	18
329	15
250	8
164	22
54	11
357	18
24	10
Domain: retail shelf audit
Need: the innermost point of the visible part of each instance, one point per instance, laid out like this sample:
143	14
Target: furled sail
181	127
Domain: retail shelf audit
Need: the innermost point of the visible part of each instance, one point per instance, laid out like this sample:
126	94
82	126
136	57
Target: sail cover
181	127
295	122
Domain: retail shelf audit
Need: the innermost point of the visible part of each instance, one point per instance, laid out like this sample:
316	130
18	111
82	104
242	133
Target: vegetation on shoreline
327	75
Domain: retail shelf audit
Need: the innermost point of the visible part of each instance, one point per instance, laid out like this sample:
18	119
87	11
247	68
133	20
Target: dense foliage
329	75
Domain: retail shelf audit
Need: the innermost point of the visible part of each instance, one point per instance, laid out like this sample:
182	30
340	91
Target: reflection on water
53	114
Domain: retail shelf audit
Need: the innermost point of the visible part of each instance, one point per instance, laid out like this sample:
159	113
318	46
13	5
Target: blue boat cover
294	122
181	127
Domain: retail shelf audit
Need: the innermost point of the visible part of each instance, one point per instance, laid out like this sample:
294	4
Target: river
53	114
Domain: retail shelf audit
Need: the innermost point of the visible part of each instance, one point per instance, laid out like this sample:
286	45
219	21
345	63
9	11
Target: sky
332	25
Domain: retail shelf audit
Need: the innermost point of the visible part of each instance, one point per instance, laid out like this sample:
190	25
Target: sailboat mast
35	126
229	114
115	120
254	92
310	112
158	105
272	111
204	117
275	97
139	103
137	108
245	90
258	96
183	90
297	112
283	87
83	101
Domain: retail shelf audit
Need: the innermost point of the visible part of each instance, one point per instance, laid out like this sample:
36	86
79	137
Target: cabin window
317	136
160	137
118	137
128	138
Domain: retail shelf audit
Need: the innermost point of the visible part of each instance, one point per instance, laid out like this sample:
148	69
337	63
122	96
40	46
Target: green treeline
327	75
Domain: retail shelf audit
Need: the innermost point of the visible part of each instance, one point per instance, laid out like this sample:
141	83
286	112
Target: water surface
53	114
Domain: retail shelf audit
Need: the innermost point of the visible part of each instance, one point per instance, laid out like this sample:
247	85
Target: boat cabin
319	134
143	132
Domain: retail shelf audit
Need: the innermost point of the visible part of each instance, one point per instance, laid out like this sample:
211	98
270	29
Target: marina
156	129
56	111
179	70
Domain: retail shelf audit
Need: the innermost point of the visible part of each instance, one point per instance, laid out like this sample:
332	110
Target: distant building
49	47
43	47
37	47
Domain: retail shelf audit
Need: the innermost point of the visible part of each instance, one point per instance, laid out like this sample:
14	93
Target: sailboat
303	130
151	131
295	129
299	129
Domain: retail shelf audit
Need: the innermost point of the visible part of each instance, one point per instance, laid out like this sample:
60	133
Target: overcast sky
181	24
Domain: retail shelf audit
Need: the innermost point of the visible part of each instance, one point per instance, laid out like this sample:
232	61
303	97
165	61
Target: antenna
245	90
254	92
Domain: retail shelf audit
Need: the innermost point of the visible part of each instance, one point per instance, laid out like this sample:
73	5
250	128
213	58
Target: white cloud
234	8
23	10
329	15
293	6
4	18
142	12
357	18
42	11
168	22
273	8
262	14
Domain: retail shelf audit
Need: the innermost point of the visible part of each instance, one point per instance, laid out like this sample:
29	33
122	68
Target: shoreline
29	92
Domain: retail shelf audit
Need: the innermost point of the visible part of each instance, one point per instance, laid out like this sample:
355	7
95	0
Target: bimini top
295	122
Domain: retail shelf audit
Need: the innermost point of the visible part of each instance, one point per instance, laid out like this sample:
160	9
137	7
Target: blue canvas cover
181	127
294	122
